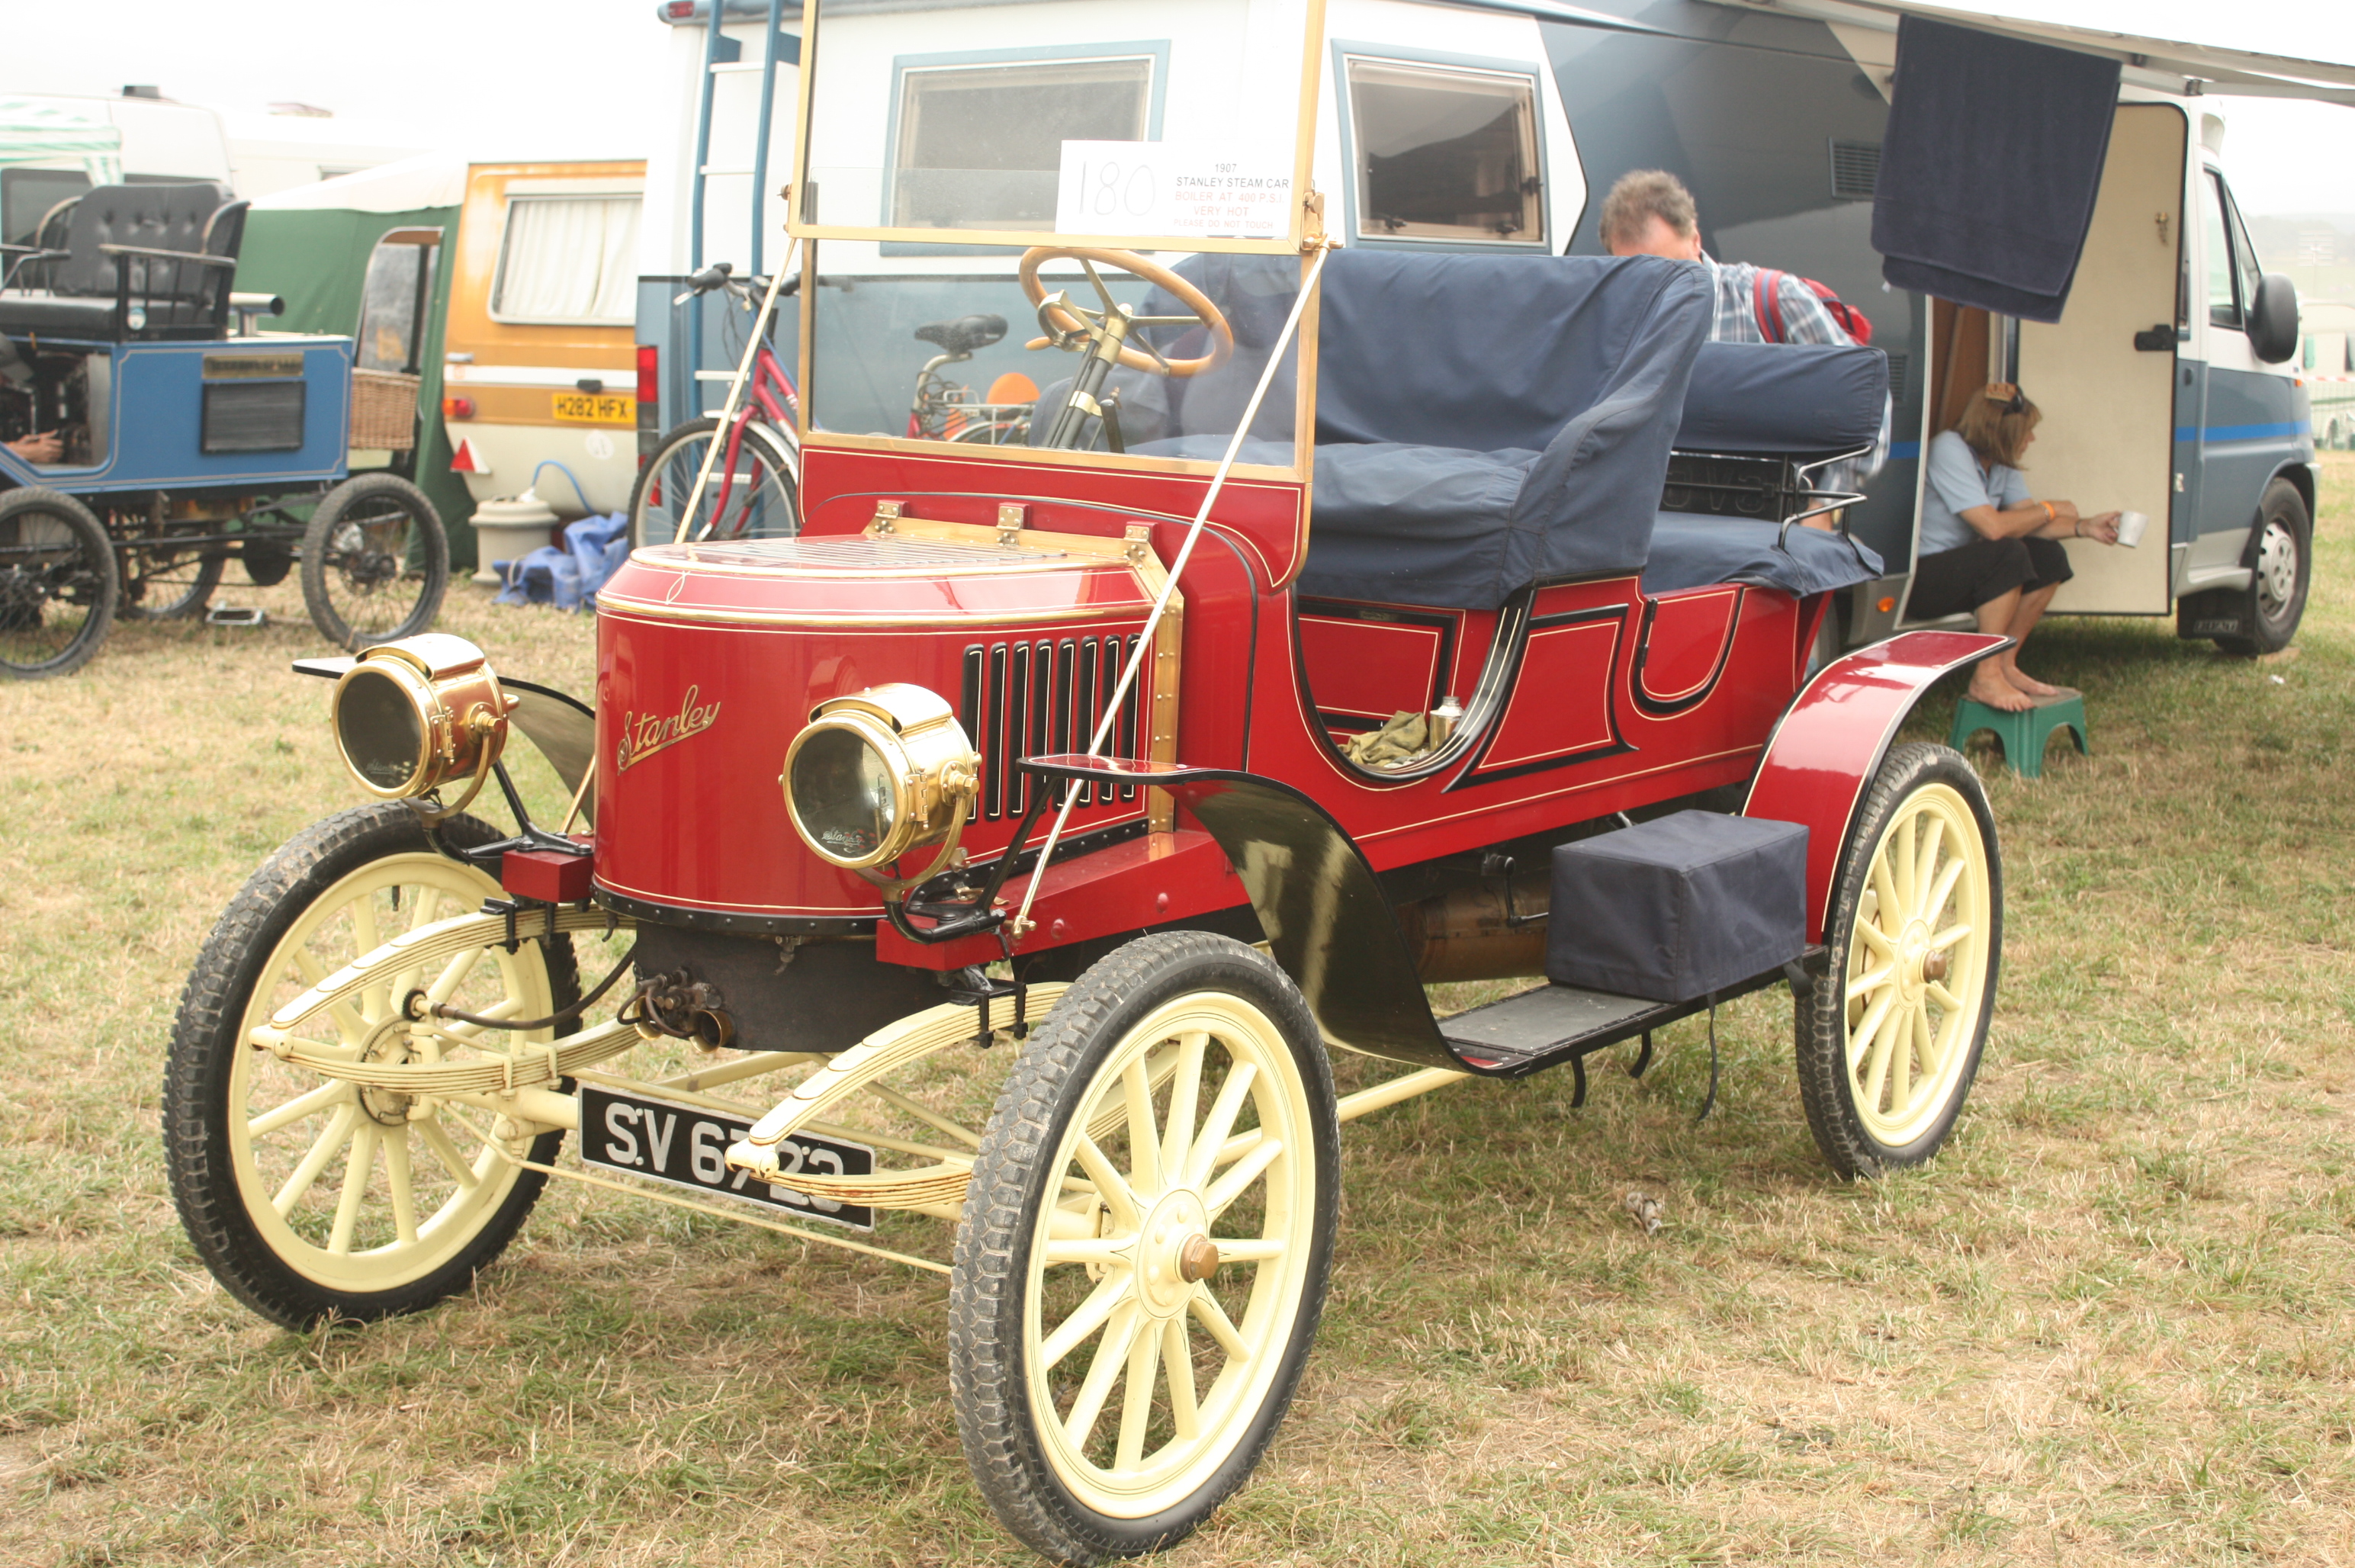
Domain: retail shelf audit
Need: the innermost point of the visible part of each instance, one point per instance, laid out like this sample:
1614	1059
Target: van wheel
2281	561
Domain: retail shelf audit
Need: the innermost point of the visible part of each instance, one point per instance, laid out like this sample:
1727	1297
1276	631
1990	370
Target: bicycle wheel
759	497
58	583
375	561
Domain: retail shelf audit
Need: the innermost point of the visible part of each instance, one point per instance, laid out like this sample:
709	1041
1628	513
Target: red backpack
1766	301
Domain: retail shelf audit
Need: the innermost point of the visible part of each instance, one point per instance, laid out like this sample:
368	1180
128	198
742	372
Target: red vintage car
1010	847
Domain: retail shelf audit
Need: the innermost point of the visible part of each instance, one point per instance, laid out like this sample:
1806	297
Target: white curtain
569	258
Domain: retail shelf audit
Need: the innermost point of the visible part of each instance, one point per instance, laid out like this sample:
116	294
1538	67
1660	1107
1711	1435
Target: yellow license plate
592	408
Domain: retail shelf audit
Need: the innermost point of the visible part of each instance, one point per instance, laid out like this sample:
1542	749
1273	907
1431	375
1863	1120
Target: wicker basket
384	411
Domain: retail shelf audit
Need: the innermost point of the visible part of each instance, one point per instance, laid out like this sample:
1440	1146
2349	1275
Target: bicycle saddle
963	335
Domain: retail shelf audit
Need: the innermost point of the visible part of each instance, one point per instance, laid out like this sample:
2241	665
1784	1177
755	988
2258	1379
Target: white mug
2130	527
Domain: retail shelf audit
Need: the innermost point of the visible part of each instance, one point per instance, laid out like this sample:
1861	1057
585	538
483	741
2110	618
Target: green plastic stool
2023	734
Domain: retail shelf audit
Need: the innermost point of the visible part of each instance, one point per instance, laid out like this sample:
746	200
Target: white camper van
2172	384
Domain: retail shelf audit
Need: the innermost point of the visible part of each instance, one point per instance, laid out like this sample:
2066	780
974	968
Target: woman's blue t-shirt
1957	483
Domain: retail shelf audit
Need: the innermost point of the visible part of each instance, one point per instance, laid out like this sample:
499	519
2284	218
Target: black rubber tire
344	571
693	434
205	1041
2273	618
85	577
1820	1017
988	1375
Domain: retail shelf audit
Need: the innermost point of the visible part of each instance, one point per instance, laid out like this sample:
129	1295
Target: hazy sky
490	76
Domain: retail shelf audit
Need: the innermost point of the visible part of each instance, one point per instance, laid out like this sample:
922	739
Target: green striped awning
33	132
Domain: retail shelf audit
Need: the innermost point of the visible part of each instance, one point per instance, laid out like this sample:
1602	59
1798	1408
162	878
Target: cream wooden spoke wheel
310	1197
1145	1248
1890	1038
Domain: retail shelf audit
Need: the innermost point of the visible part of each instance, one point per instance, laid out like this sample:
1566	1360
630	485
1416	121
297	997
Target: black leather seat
137	261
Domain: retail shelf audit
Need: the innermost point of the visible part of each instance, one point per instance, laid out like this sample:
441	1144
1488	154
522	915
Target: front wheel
757	495
58	587
1145	1248
2281	561
310	1197
375	562
1889	1038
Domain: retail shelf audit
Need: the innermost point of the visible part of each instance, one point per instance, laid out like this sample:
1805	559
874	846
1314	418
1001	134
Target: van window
2223	304
26	196
392	305
569	258
1445	152
2245	252
981	146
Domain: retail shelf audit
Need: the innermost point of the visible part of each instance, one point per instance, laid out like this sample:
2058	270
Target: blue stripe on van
1905	451
2244	432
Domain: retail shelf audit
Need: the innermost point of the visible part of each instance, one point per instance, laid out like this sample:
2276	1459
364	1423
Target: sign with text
1172	188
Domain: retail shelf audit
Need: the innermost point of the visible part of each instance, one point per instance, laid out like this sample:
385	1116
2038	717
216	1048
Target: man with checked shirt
1650	213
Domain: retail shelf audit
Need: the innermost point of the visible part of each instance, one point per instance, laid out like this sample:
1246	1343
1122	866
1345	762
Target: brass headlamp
412	715
878	774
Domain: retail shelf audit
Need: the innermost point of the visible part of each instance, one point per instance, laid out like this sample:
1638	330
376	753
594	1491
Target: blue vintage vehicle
143	445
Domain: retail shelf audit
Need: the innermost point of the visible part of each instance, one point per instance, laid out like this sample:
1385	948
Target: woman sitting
1988	545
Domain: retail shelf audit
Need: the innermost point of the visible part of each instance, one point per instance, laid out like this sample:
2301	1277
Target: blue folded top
1783	398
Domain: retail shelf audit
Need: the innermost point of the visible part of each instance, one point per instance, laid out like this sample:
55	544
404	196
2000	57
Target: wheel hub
389	1043
1175	1240
1914	961
2278	566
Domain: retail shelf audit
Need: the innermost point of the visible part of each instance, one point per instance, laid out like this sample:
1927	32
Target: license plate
592	408
686	1146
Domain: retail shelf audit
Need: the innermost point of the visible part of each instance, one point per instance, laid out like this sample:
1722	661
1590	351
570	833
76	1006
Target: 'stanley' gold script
644	734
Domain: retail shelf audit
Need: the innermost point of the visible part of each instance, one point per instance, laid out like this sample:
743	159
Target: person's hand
2103	528
47	446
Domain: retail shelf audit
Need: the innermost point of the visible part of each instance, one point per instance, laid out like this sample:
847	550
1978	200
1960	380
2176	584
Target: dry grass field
2109	1325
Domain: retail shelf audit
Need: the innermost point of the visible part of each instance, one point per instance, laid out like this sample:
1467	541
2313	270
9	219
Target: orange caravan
541	363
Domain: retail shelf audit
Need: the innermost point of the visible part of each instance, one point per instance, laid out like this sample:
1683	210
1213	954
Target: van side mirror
2273	319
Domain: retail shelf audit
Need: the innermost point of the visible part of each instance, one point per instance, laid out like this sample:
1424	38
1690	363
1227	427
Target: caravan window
980	146
569	258
1445	152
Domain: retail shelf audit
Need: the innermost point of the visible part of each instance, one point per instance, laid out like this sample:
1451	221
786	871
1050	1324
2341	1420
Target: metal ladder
722	57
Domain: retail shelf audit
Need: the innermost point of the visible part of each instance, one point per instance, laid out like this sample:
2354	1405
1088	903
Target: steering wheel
1076	327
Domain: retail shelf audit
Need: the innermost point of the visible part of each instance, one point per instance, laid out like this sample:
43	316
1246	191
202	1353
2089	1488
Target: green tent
312	247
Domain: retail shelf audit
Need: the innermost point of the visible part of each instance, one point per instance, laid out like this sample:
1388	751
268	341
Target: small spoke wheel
58	588
375	561
164	577
1145	1248
309	1196
756	496
1890	1039
2281	568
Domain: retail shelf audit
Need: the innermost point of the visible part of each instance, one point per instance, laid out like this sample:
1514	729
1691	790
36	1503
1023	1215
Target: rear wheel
2281	563
375	561
758	496
1144	1247
309	1196
58	583
1889	1038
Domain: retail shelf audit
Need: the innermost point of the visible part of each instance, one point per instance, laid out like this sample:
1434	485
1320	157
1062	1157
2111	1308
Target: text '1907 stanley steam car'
1036	820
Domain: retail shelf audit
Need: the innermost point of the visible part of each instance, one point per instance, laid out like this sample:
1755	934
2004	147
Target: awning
37	132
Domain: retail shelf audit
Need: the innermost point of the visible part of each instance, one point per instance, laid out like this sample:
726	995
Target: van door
2248	426
2104	373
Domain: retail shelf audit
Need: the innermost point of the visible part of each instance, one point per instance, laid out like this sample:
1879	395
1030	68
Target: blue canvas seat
1483	422
1486	422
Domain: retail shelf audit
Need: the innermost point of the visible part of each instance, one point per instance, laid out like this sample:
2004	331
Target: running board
1554	1024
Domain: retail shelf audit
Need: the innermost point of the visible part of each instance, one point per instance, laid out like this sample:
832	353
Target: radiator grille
1856	169
253	416
1039	698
